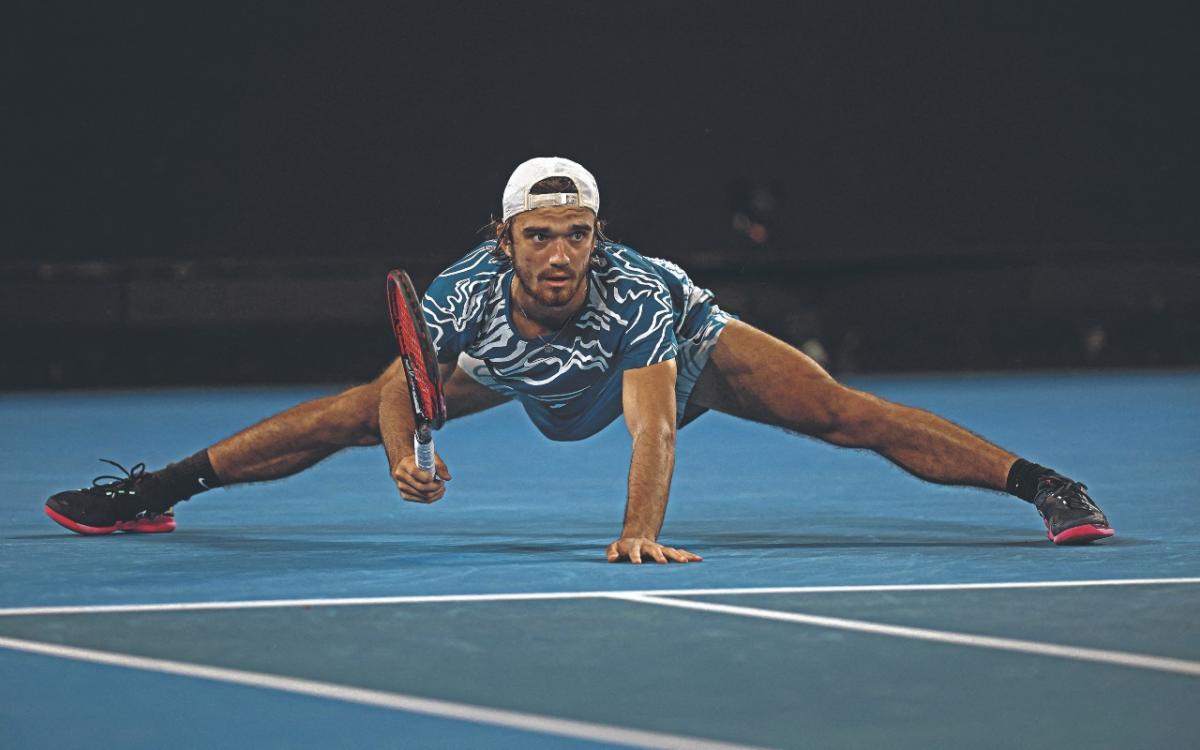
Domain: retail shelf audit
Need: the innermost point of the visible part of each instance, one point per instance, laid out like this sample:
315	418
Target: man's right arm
451	306
396	426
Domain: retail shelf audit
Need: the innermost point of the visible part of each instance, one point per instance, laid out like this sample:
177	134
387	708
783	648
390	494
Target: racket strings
421	381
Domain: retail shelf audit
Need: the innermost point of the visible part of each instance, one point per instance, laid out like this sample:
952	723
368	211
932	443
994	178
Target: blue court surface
841	603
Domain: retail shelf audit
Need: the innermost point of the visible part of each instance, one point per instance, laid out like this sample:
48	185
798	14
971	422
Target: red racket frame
419	357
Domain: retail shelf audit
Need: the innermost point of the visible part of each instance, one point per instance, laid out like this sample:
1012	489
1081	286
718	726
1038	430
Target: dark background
212	193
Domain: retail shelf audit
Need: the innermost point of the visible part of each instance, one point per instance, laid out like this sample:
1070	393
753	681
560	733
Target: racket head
416	350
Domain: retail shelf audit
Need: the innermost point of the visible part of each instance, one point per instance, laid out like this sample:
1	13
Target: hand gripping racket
420	365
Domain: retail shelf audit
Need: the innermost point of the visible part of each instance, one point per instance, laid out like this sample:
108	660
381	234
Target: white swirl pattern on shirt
627	303
640	311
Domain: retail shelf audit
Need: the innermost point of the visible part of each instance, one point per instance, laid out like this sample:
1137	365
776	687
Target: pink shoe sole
1081	534
154	525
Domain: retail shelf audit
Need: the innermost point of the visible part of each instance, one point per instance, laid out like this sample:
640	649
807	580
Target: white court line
1121	658
398	701
535	596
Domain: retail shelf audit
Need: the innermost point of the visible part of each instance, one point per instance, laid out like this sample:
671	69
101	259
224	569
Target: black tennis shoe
1071	516
123	504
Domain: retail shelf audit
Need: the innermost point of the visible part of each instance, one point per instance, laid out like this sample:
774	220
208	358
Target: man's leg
277	447
294	440
753	375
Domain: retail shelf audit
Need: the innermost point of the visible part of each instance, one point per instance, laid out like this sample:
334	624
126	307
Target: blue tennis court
841	603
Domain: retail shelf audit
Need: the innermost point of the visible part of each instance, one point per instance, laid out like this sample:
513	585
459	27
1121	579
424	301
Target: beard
549	296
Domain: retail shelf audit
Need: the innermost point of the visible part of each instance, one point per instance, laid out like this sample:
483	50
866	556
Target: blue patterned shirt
569	383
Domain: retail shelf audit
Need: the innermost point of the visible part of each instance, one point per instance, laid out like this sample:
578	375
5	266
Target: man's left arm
648	399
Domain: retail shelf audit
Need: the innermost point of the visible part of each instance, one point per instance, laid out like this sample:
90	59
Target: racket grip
423	447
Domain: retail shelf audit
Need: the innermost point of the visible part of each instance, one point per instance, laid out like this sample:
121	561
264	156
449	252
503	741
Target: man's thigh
753	375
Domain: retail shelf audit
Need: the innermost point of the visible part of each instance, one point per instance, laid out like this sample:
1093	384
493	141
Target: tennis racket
420	364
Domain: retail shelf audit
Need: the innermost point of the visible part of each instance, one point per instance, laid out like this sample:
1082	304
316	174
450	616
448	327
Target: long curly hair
502	230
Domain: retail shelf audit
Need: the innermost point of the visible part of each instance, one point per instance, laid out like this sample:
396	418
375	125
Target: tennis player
581	330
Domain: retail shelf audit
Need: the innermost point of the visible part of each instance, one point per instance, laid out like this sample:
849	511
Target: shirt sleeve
453	305
650	337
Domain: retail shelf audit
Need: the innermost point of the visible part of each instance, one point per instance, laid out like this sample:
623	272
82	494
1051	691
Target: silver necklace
547	344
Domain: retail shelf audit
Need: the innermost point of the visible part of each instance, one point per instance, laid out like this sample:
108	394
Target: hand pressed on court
415	484
633	548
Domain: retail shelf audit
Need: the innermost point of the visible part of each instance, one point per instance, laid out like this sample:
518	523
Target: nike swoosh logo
203	483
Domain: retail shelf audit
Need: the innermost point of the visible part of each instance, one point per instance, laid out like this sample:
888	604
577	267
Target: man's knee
355	416
361	403
356	410
848	417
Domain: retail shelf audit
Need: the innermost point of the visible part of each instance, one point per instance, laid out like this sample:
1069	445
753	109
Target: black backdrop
853	132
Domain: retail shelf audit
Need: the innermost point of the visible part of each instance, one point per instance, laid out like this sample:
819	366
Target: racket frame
419	358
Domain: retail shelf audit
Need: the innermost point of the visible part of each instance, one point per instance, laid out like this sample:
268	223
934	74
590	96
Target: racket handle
423	447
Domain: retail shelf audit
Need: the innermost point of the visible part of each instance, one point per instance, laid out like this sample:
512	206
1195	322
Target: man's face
550	251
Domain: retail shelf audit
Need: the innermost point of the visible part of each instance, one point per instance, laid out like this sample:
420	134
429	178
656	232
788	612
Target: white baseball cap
516	193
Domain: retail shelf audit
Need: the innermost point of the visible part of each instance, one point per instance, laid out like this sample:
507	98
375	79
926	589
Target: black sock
1023	479
179	481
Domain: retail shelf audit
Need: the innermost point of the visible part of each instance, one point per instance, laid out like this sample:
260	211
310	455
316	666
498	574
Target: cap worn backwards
517	197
